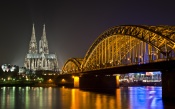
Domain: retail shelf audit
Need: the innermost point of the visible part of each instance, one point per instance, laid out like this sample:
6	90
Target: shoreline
56	85
29	85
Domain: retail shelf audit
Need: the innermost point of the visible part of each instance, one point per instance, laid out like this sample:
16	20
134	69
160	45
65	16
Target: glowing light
63	80
76	81
50	81
9	78
149	73
117	81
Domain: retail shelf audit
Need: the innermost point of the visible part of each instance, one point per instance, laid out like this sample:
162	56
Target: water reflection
146	97
65	98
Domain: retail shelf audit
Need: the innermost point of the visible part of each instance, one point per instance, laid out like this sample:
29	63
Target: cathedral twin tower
40	60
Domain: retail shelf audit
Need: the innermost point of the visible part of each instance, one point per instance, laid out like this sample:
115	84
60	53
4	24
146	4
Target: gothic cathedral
42	59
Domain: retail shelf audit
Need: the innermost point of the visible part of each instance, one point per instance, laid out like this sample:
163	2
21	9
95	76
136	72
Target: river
147	97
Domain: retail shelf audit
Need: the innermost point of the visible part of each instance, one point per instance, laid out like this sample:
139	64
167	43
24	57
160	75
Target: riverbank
132	84
44	85
31	84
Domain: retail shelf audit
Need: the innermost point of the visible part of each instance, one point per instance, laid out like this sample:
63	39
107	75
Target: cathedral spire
33	43
43	44
33	38
42	60
44	33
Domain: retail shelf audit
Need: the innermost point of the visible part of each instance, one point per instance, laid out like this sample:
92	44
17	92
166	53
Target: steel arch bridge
127	45
72	65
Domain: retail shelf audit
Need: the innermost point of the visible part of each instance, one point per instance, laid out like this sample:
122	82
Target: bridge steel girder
72	65
162	38
148	67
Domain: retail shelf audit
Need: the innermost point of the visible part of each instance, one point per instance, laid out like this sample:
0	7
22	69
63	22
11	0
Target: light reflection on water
66	98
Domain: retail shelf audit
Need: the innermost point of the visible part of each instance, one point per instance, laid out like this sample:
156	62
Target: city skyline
71	27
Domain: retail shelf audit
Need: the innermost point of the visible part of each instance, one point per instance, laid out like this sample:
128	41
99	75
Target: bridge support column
168	85
97	82
117	81
76	81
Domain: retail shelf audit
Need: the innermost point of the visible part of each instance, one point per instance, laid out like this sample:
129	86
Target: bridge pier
97	82
168	85
76	81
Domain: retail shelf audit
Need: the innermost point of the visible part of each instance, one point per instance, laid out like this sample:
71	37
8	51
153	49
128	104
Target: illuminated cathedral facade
40	59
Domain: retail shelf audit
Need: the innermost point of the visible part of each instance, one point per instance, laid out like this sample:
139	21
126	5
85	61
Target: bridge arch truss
130	44
72	65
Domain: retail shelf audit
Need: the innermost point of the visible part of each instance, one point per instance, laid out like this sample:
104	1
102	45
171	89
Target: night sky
72	26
